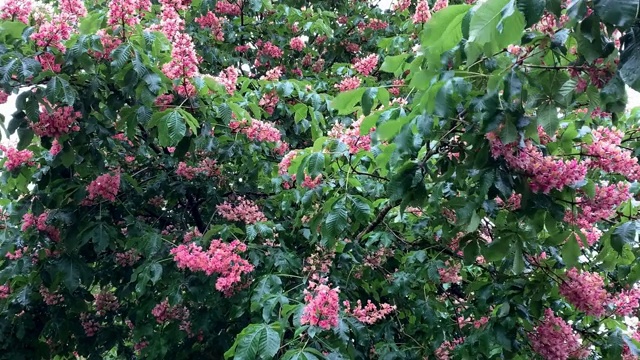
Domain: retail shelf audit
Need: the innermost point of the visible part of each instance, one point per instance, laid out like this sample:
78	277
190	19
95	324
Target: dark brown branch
381	215
195	213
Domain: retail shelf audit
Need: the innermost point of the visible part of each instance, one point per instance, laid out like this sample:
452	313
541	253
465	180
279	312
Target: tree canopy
258	179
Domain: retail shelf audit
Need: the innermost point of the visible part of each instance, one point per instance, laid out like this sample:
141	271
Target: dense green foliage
433	217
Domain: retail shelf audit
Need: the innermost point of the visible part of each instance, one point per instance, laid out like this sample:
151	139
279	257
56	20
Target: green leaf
393	64
171	127
620	13
495	25
315	164
346	101
518	259
73	272
12	29
336	221
59	90
191	121
298	354
367	100
532	10
571	251
624	234
121	55
446	21
630	59
360	207
548	117
257	341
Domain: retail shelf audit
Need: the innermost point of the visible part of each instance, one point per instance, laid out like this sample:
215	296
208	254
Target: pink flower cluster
126	12
440	4
422	14
400	5
321	305
585	291
311	183
462	322
351	136
109	43
50	298
105	186
625	302
606	154
127	258
163	313
62	121
51	33
16	10
3	97
222	259
5	291
395	87
40	223
626	352
163	101
546	172
348	83
285	163
269	101
90	325
369	314
184	60
226	8
297	43
210	20
105	302
16	158
257	130
554	339
601	207
450	273
273	74
513	203
366	65
243	210
268	49
443	352
228	78
48	62
207	167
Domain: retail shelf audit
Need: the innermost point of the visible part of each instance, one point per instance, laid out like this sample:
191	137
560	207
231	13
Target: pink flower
257	130
243	210
606	154
440	4
5	291
310	183
450	273
210	20
268	49
554	339
285	163
48	62
322	306
105	186
3	97
221	258
297	43
228	78
351	136
369	314
55	148
626	302
126	12
184	60
443	352
422	14
109	43
16	10
348	83
269	101
226	8
15	158
62	121
90	325
585	291
163	101
366	65
400	5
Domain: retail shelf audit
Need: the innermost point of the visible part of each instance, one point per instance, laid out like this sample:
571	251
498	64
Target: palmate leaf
256	341
59	90
495	25
171	126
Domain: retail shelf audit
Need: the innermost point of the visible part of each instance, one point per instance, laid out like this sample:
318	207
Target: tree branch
385	210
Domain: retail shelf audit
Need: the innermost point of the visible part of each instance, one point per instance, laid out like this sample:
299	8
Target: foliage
319	179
